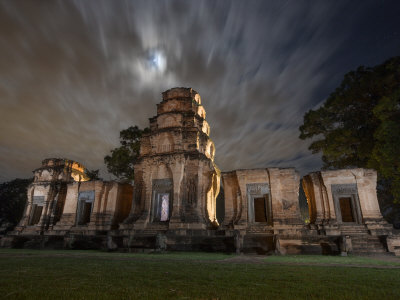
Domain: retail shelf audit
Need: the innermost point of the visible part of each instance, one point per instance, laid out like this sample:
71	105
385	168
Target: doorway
260	210
346	209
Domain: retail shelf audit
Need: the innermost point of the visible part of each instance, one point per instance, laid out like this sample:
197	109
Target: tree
12	201
386	152
358	125
92	174
120	162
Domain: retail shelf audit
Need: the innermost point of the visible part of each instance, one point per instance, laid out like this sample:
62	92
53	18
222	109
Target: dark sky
74	73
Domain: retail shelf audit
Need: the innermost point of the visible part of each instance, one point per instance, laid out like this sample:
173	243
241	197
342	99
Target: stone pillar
48	192
317	187
366	185
232	198
212	194
27	211
110	204
276	196
177	169
69	215
95	216
241	177
145	205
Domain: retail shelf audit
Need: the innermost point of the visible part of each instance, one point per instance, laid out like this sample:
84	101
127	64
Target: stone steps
260	229
354	230
367	244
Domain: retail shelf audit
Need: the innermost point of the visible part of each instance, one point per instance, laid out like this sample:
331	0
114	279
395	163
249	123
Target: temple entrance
347	205
260	210
346	209
259	203
161	212
86	210
161	204
85	207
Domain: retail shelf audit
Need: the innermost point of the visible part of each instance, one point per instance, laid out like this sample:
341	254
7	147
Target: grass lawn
332	260
29	274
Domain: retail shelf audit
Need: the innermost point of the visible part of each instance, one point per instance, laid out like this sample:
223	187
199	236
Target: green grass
333	260
29	274
97	253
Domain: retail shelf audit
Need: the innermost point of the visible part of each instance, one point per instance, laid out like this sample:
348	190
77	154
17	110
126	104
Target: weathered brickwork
172	205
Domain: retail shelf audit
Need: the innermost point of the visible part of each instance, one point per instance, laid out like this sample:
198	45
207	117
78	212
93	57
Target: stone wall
53	204
172	205
344	204
278	187
324	191
109	205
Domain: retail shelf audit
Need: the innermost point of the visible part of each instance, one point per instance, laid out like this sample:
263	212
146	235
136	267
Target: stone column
177	169
149	172
366	186
95	216
46	208
231	190
69	215
241	177
371	214
110	204
28	209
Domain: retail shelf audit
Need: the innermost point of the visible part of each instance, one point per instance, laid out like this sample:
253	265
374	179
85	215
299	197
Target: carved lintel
344	189
162	184
257	188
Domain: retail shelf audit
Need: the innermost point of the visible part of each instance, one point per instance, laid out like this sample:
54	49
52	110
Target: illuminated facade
172	205
47	193
62	201
176	179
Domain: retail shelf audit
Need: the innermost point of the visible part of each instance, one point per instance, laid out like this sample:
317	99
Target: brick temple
172	203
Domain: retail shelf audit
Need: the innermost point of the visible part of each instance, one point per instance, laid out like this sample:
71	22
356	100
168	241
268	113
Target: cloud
75	73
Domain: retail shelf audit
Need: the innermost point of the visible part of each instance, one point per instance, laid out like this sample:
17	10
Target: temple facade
172	203
176	179
47	194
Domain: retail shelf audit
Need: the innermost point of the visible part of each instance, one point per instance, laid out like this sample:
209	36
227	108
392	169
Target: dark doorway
85	207
346	209
36	214
260	210
86	210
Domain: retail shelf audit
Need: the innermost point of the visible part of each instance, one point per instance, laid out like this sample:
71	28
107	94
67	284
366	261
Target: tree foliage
92	174
120	162
12	200
386	152
358	125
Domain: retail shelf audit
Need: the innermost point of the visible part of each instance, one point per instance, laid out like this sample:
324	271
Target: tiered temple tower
176	179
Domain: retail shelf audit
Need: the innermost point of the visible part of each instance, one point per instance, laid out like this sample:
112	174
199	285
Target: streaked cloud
74	73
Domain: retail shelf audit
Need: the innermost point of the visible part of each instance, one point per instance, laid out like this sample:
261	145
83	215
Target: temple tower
176	180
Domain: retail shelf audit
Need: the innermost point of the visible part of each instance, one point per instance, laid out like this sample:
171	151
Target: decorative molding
87	196
257	188
162	184
340	189
38	200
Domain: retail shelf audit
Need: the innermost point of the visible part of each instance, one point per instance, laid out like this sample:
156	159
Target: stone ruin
172	204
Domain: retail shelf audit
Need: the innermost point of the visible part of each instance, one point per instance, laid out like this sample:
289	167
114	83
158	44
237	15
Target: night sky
74	73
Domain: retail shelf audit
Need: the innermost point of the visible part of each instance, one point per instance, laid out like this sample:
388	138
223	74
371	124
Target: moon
157	61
